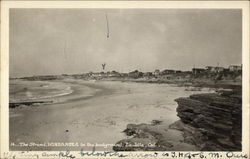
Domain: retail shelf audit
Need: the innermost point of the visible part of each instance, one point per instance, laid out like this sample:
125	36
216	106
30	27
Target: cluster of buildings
158	73
206	70
168	73
104	74
212	69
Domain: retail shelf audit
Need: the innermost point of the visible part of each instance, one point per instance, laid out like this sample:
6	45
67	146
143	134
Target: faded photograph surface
125	79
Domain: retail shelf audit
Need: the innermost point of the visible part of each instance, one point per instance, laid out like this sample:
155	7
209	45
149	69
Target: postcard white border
6	5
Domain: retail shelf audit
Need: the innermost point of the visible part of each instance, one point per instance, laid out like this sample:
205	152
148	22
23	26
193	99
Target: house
97	74
124	74
148	74
113	74
89	74
135	74
213	69
210	68
219	69
165	72
156	72
198	70
187	72
234	68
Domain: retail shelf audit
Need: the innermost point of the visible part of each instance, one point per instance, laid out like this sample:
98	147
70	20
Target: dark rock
13	105
211	121
156	122
144	137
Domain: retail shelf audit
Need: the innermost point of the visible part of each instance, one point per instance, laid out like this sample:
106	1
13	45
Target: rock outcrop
211	121
17	104
153	137
208	122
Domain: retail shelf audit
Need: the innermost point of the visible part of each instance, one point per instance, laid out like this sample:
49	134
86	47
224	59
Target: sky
70	41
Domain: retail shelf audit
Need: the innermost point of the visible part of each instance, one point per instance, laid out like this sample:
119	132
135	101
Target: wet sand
98	117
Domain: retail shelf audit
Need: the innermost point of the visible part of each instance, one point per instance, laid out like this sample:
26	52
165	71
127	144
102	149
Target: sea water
22	91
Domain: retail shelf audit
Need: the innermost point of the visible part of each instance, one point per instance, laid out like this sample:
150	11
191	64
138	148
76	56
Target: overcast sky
56	41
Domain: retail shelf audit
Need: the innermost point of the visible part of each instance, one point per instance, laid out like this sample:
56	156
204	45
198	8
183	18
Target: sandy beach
96	112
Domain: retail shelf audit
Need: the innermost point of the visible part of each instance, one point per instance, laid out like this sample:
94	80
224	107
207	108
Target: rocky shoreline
211	121
17	104
208	122
152	137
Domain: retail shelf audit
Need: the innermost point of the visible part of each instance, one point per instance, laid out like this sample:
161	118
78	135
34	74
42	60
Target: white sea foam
36	90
